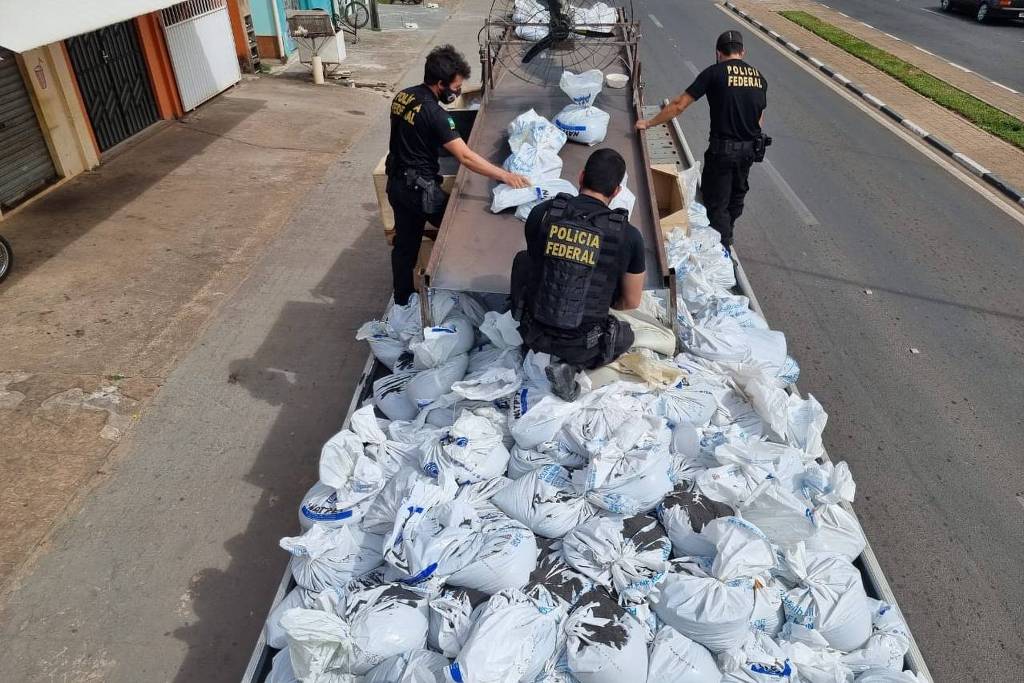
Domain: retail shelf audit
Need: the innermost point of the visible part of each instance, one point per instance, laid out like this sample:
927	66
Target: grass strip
985	116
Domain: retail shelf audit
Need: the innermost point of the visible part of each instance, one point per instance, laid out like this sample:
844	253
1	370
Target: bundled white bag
599	416
830	599
784	517
531	19
470	450
502	330
605	644
760	660
677	659
838	531
489	385
510	641
391	455
625	199
442	342
586	125
318	645
415	666
451	619
323	557
349	479
582	88
554	584
684	514
596	16
630	482
536	163
626	554
505	196
391	396
472	547
409	486
530	128
281	670
688	406
323	505
429	385
525	460
383	344
714	613
534	424
546	501
889	676
888	644
296	597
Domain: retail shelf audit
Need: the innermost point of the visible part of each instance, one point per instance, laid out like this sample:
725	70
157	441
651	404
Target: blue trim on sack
422	576
566	126
455	672
326	516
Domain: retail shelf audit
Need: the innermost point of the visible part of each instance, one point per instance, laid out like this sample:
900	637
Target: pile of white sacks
532	17
676	525
535	143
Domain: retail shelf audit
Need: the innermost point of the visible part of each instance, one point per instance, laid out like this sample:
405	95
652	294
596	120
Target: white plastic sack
648	331
510	641
605	644
505	196
442	342
546	501
296	597
429	385
889	676
684	514
415	666
628	482
888	644
625	199
537	424
828	486
784	517
530	128
586	125
489	385
471	450
524	461
391	396
452	615
502	330
281	670
677	659
322	505
349	479
830	599
536	163
323	557
554	584
410	485
384	621
318	644
627	554
477	548
599	416
385	347
391	455
582	88
596	16
531	19
704	609
742	551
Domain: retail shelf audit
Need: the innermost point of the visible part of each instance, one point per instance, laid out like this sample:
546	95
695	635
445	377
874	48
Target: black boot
563	381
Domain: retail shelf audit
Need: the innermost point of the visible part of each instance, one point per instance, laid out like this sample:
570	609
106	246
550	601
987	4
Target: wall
158	64
62	117
238	33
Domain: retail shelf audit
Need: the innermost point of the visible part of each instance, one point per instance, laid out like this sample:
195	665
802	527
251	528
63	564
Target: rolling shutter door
25	163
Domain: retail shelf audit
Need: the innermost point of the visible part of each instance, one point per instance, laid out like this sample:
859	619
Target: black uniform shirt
419	128
737	94
631	250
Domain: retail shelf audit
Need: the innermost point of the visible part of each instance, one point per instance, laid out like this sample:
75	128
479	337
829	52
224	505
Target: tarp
28	24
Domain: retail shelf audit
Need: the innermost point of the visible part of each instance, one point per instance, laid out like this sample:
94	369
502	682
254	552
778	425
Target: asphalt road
993	50
933	438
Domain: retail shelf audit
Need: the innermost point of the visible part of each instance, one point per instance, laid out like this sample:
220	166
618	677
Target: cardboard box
387	216
670	195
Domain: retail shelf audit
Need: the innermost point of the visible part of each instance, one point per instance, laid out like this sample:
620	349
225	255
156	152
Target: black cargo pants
723	183
407	205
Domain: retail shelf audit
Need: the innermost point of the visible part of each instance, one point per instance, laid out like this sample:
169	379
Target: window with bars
184	11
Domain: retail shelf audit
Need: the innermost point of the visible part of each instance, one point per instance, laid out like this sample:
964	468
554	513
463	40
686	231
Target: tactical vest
579	273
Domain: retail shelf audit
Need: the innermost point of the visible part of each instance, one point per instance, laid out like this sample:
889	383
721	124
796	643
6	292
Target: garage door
25	163
202	49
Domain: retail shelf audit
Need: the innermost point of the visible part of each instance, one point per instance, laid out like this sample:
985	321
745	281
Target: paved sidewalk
1000	157
164	568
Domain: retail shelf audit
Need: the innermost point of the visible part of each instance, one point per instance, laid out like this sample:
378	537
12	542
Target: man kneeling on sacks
581	259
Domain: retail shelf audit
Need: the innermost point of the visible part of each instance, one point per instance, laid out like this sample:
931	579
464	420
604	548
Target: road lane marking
918	47
799	207
844	14
692	67
1005	87
655	20
867	24
962	68
892	36
931	11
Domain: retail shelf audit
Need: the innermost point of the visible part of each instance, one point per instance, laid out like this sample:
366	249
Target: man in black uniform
419	128
581	259
737	95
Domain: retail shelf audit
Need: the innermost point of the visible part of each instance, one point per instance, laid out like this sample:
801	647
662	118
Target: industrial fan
536	40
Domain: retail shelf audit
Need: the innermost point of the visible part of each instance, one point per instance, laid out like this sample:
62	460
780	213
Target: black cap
729	37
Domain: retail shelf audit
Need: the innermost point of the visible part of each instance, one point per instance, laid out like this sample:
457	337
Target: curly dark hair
443	64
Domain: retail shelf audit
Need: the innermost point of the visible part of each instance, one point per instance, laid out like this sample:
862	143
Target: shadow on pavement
308	365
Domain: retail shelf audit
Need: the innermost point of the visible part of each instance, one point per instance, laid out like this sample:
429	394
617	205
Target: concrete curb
963	160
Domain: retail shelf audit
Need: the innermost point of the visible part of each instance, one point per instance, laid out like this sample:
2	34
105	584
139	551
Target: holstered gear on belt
578	274
722	146
432	197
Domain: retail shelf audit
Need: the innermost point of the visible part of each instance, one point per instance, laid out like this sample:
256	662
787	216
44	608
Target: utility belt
757	147
600	335
432	197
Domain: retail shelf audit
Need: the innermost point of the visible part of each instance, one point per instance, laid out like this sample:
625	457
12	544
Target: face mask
447	95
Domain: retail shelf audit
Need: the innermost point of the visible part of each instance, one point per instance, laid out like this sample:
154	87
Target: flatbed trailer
474	251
